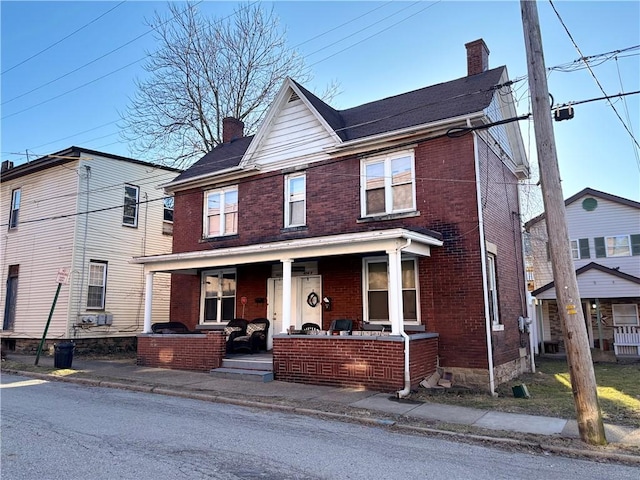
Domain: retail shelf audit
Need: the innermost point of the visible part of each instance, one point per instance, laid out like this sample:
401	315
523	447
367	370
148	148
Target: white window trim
575	249
613	312
205	220
212	273
137	205
365	288
104	266
288	201
388	192
14	213
164	208
492	284
606	246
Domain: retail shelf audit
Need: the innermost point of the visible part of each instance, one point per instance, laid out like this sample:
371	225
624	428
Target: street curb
163	390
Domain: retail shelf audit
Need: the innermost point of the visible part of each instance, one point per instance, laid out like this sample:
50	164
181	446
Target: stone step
243	374
248	363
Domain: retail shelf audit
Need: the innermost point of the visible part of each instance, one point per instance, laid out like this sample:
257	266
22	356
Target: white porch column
396	313
286	294
148	301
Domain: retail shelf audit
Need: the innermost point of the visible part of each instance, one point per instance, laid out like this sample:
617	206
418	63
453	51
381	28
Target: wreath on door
313	299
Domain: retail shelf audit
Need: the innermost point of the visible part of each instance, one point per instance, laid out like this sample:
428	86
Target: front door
301	311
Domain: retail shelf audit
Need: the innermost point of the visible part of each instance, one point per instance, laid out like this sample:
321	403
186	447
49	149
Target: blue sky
52	99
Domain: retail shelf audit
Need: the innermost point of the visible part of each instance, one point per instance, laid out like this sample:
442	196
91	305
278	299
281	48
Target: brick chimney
232	128
477	57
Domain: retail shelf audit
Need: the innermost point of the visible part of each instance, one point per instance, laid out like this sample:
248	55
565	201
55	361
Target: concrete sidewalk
124	373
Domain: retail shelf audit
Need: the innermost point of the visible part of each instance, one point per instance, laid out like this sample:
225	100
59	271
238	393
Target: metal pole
44	335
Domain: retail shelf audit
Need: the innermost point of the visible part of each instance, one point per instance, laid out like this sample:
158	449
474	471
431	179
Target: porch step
246	362
243	374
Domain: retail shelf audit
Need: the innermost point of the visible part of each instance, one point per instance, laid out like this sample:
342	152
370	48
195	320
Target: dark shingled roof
223	156
426	105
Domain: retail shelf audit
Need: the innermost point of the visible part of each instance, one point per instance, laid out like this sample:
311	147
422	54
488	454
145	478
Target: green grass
550	392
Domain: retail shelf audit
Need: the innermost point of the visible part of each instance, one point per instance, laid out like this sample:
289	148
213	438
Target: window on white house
218	295
97	285
616	246
377	289
295	200
168	209
625	314
221	212
492	289
580	248
388	184
15	208
130	209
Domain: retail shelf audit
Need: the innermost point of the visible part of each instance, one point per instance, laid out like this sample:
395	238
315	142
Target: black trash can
63	357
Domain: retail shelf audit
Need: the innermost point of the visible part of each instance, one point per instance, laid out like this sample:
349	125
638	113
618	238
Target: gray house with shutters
604	238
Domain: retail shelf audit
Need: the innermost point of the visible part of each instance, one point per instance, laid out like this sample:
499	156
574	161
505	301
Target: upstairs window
388	184
97	285
221	212
295	200
617	246
580	248
15	209
168	209
130	209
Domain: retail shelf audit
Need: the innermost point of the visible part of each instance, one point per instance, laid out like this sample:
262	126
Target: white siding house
89	213
604	239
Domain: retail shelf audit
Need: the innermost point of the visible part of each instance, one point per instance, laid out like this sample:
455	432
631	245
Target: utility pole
583	380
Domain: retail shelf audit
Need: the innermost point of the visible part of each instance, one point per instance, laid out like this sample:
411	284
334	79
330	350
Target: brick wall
357	362
451	281
197	352
501	213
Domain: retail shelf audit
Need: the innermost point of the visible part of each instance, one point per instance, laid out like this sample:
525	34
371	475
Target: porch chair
310	326
235	328
341	325
169	327
254	338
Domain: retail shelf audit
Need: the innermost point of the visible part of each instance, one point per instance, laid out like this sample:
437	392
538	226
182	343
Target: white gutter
407	374
483	262
220	175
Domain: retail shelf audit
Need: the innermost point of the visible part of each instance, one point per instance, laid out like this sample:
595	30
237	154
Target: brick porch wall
373	363
196	352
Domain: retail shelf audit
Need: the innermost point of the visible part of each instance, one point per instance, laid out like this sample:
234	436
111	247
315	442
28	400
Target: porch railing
626	340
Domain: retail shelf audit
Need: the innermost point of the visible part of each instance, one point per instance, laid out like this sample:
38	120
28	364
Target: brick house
604	232
401	215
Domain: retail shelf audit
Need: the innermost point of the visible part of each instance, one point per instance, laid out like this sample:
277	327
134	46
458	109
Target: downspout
483	263
407	374
84	240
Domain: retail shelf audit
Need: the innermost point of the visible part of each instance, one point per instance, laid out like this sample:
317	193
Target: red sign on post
63	276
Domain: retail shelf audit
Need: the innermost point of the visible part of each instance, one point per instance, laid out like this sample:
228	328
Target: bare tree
207	69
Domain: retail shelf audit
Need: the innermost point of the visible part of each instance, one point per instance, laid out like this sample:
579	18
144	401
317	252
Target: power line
582	57
90	63
59	41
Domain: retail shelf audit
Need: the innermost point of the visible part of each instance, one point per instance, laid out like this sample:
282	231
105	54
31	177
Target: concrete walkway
124	373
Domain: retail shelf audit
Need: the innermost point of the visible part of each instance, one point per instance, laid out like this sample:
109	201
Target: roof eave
386	136
207	178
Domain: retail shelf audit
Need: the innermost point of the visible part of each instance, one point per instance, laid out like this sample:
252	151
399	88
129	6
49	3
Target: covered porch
381	356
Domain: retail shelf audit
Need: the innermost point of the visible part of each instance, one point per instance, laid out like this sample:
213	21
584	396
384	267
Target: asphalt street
64	431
